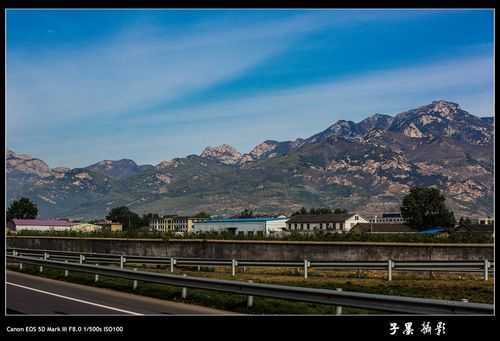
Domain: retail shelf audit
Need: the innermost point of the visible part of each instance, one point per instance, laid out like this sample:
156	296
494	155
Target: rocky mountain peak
445	108
223	153
26	164
167	164
263	148
115	168
442	119
376	121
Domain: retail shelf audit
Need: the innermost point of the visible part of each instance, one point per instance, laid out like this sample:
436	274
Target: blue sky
151	85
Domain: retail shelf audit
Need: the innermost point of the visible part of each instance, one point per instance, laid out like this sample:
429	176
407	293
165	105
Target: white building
324	222
174	223
40	225
246	226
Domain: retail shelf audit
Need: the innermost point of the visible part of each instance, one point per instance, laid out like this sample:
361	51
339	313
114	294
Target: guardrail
383	303
485	266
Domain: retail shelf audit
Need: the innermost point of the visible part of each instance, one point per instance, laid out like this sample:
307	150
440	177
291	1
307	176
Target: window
308	226
250	233
356	217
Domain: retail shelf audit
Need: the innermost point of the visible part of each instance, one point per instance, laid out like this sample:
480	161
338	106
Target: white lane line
74	299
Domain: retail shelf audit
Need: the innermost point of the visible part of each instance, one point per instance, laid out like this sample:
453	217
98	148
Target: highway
33	295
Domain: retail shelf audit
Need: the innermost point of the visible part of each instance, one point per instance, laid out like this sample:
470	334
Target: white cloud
133	70
353	98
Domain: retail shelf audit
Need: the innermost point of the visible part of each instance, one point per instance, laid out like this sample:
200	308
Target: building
174	223
388	218
324	222
382	228
39	225
243	226
85	227
111	226
486	221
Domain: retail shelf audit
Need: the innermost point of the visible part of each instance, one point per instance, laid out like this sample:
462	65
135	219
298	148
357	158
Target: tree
147	218
127	218
303	210
340	211
464	223
202	214
316	211
23	208
245	214
425	207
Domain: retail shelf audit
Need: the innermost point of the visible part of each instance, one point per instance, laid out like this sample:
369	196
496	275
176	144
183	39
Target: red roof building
40	224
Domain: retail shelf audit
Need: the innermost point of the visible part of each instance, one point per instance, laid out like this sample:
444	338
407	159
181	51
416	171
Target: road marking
74	299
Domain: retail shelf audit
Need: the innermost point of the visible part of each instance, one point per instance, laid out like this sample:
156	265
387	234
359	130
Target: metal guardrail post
122	261
96	279
45	256
66	272
486	269
172	263
338	310
184	290
41	268
234	263
307	264
134	285
250	298
82	258
389	269
14	253
21	266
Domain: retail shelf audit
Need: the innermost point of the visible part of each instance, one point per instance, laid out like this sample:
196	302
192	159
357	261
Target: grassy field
442	286
466	238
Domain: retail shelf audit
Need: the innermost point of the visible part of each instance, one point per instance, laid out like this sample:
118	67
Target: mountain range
365	167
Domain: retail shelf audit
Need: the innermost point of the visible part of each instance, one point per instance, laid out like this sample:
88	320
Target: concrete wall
260	250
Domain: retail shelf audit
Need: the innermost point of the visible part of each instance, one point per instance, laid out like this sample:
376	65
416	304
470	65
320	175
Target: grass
294	236
441	287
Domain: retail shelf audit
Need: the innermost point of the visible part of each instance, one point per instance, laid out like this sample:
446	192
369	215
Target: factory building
40	225
243	226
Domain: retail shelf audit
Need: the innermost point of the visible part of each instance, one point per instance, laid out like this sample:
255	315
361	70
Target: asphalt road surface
33	295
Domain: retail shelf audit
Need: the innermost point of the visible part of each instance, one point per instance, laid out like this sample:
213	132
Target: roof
391	215
383	228
242	220
41	222
319	218
433	230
